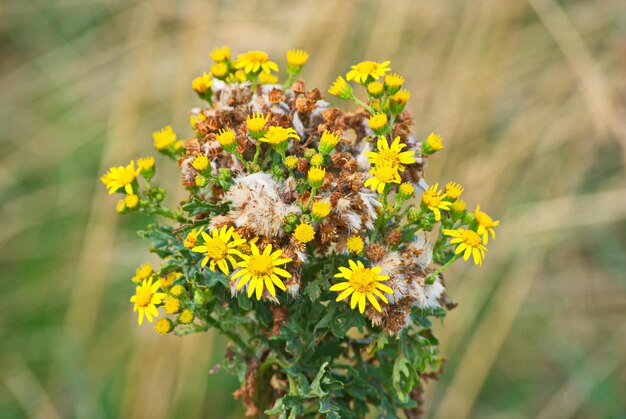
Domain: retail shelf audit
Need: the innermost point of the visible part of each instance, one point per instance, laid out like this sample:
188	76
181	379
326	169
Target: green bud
309	152
413	214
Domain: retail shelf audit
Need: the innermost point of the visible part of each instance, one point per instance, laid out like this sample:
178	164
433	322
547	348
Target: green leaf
197	206
316	389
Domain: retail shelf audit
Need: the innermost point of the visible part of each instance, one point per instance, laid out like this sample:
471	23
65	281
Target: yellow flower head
375	88
260	270
268	78
297	58
485	224
362	283
120	207
226	138
391	156
220	54
367	70
164	137
145	271
200	181
320	209
317	160
200	163
406	190
146	299
304	233
167	280
163	326
171	305
191	240
291	162
219	70
432	144
383	175
341	89
454	190
401	97
328	142
459	205
355	245
316	176
393	82
186	316
131	201
256	123
120	177
195	118
202	84
177	290
219	248
145	164
378	122
277	135
255	61
433	199
468	242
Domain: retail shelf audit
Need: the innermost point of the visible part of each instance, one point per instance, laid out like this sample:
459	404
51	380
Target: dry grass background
528	94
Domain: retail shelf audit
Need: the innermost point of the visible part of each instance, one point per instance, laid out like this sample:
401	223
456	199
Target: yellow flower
261	270
432	144
453	190
316	176
221	54
171	305
120	207
253	61
177	290
227	139
167	280
297	58
378	123
191	240
145	164
186	316
355	245
238	77
401	97
362	283
146	298
145	271
391	156
485	224
200	163
120	177
375	88
433	199
179	145
328	142
317	160
268	78
164	138
367	70
393	82
291	162
256	124
320	209
163	326
276	136
406	190
219	70
195	118
131	201
459	205
202	84
219	248
304	233
341	89
468	242
383	175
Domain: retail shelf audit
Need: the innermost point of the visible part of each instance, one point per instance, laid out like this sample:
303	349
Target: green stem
256	153
166	212
313	192
234	337
430	279
361	103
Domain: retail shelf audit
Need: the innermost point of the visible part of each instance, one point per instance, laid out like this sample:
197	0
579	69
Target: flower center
260	265
144	296
257	56
385	174
126	176
190	241
363	280
472	239
484	220
431	199
366	67
216	249
388	158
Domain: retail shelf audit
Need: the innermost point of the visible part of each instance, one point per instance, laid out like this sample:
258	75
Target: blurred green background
529	95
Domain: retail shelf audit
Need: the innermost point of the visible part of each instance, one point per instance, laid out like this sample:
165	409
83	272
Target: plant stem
430	279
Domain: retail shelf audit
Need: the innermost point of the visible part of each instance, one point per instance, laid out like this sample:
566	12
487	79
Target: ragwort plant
309	237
